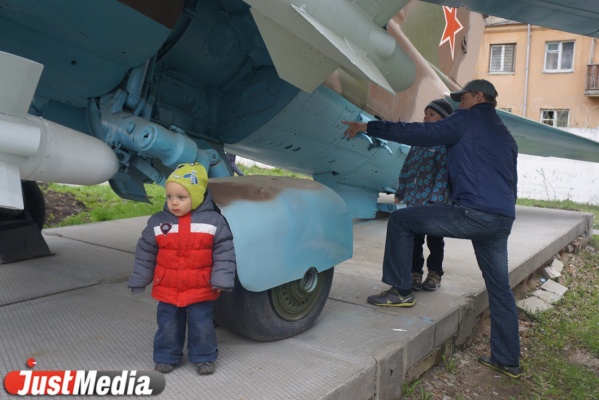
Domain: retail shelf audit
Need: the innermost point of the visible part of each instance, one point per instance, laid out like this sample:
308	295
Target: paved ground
72	311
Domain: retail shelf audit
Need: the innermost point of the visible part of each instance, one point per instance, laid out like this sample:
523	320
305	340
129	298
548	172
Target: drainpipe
591	81
526	71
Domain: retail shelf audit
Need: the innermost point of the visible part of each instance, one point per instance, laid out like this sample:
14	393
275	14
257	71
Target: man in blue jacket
481	161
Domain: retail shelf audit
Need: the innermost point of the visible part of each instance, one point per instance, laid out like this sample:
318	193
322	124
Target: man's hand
354	128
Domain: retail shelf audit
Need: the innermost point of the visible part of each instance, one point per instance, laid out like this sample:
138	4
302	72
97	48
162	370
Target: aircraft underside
200	83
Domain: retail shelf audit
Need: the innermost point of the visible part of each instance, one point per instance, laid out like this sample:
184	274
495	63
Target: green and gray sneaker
511	371
392	298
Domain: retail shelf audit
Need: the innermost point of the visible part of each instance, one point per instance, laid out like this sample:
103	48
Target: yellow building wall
545	90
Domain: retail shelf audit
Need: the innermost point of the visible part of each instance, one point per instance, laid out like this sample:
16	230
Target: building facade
551	77
542	74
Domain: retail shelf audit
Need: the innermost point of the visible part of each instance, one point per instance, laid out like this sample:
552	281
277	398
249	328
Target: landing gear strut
21	230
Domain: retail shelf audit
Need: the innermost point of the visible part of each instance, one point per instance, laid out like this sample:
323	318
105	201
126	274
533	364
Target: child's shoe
432	281
205	368
164	368
416	281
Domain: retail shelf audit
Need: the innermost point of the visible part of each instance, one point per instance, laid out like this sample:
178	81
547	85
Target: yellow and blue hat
192	177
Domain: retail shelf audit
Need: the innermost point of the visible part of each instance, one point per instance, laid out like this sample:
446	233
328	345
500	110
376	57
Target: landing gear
277	313
20	230
34	206
288	234
33	199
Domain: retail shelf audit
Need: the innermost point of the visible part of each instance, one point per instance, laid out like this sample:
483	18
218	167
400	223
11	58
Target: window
502	58
556	118
559	56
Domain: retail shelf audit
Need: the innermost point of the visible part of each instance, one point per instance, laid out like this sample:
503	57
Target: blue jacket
481	155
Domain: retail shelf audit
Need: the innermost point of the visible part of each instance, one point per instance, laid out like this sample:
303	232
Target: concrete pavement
73	311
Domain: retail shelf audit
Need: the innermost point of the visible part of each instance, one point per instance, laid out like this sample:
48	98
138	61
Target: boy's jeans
434	261
488	233
170	337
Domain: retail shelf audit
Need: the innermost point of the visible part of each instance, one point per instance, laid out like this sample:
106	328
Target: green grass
270	172
553	361
104	205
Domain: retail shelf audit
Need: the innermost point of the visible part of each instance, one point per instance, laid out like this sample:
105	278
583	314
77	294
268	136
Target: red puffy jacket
185	257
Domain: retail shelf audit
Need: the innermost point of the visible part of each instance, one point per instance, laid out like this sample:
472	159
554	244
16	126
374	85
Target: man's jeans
170	337
488	233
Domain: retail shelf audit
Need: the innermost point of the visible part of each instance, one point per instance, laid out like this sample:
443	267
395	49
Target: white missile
308	40
49	152
32	148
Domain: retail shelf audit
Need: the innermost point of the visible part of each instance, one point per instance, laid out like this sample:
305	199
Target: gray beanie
441	106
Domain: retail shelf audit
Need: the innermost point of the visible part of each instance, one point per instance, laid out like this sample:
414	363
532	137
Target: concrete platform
73	311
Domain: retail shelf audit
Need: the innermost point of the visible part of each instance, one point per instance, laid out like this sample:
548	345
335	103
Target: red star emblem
452	27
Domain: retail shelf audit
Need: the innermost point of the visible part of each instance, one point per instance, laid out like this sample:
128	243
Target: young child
187	251
423	180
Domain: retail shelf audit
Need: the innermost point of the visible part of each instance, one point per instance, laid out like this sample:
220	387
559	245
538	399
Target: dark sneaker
432	281
392	298
205	368
164	368
416	281
511	371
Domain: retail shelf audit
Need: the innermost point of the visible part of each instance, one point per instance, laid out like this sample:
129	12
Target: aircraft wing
538	139
576	16
580	17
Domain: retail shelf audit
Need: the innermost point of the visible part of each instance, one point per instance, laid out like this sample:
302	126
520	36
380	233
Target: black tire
276	313
34	203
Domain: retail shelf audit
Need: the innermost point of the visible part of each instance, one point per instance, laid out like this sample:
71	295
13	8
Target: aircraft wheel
33	199
277	313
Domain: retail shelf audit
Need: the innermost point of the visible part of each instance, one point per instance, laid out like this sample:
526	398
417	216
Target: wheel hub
294	300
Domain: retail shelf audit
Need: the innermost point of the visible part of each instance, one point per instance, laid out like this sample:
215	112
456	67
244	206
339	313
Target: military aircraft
125	90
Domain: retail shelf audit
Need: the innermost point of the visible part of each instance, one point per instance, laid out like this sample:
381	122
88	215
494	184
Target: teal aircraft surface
125	90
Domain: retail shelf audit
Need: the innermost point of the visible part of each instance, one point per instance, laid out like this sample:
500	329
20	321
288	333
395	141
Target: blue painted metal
78	41
389	207
307	137
282	227
546	141
214	80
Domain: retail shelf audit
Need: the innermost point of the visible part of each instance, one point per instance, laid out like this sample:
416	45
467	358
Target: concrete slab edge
470	313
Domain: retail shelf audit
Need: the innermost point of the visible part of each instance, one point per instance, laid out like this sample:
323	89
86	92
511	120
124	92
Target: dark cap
441	107
477	85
